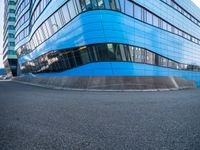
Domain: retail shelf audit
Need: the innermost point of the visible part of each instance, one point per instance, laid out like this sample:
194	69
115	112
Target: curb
100	90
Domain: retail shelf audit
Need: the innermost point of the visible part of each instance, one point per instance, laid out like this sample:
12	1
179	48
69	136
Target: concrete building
108	38
9	53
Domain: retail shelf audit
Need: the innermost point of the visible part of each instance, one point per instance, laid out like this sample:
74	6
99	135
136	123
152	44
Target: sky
197	2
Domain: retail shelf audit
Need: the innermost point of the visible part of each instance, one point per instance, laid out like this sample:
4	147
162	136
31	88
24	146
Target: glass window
78	5
71	9
35	40
107	5
112	4
110	52
149	17
102	52
32	45
187	36
83	6
49	27
176	30
38	35
58	19
155	21
41	34
94	4
75	7
139	55
72	59
42	4
124	53
164	25
117	5
163	61
45	30
180	33
26	16
150	57
117	51
138	12
81	56
53	24
93	53
122	4
129	8
62	19
88	4
65	12
65	59
169	63
144	15
100	4
169	28
160	23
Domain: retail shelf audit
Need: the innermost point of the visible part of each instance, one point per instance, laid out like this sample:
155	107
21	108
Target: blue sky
197	2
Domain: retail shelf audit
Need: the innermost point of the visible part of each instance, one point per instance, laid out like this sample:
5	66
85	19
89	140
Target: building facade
108	38
2	71
9	53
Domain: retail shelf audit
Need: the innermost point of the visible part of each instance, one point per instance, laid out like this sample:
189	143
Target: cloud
197	2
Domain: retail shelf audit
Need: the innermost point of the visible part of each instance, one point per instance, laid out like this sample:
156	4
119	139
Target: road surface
35	118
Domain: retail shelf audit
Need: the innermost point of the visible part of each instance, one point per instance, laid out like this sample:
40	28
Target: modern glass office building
108	38
9	53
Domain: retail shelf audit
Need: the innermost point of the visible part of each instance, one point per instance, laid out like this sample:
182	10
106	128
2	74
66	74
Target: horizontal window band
65	59
173	4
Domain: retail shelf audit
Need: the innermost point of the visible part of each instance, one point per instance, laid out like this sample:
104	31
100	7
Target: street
36	118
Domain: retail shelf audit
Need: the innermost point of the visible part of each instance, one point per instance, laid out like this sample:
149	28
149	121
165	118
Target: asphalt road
35	118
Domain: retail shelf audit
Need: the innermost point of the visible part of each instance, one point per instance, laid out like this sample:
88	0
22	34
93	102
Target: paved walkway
35	118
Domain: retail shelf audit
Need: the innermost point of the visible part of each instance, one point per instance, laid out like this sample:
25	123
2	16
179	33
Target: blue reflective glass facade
108	38
9	54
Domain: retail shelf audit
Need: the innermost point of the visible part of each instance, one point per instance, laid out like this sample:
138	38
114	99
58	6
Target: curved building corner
158	38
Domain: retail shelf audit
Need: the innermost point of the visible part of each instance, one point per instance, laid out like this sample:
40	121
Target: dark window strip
58	61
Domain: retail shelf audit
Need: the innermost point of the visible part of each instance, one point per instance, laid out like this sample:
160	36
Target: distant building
9	53
2	71
108	38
